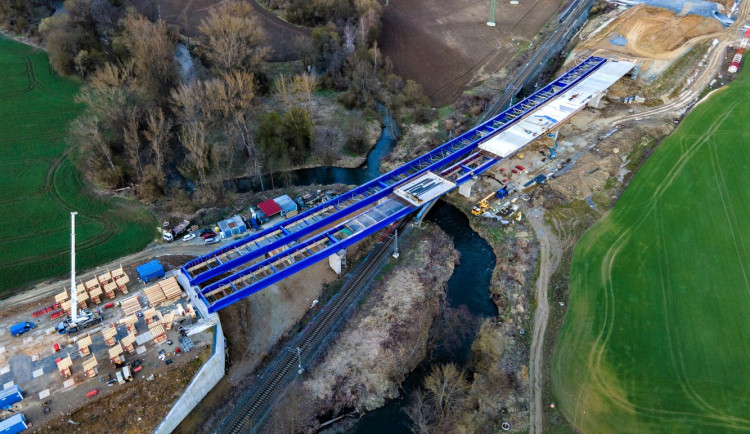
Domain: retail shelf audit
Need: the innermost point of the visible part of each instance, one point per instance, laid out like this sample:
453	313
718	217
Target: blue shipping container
10	396
150	271
13	424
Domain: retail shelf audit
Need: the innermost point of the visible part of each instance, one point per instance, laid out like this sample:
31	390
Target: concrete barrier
205	379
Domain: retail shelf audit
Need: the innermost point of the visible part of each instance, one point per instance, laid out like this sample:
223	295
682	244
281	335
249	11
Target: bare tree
449	389
85	133
157	133
132	142
194	139
421	413
304	85
375	53
445	396
152	48
350	35
233	37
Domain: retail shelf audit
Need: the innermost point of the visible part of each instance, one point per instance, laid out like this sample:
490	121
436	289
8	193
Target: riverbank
501	348
388	337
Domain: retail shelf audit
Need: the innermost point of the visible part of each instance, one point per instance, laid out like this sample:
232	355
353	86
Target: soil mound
654	33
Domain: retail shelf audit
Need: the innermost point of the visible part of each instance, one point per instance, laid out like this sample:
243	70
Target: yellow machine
482	205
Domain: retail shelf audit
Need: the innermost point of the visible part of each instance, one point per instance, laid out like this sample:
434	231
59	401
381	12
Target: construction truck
171	234
85	319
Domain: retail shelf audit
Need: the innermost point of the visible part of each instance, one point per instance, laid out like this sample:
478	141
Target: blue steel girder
259	284
455	148
299	265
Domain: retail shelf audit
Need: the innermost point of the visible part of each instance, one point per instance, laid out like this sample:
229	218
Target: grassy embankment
656	338
40	184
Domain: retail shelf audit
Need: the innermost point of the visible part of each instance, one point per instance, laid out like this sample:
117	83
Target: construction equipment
484	204
552	154
170	235
84	319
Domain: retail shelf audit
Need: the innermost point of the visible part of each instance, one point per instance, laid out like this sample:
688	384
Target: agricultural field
656	338
40	184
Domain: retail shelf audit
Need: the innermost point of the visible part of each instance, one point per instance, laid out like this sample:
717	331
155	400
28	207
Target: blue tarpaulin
150	271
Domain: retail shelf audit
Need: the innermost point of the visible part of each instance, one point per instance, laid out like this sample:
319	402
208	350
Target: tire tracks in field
597	351
51	189
732	220
32	82
672	330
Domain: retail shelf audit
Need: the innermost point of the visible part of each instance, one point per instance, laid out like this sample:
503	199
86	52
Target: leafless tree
152	48
132	142
85	133
157	133
350	35
375	53
233	37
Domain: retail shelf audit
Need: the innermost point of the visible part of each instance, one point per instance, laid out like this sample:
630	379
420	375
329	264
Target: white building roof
558	110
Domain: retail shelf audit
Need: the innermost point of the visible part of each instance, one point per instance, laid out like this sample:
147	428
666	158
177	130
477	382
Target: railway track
534	63
255	402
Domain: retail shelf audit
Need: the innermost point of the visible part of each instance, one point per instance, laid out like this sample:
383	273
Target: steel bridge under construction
246	266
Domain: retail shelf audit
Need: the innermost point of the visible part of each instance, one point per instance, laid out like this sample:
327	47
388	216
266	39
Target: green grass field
40	185
657	336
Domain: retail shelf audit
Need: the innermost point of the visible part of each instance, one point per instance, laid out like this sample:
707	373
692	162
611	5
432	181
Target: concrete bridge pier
465	188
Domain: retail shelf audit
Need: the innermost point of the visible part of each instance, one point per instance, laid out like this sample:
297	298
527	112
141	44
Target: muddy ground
448	47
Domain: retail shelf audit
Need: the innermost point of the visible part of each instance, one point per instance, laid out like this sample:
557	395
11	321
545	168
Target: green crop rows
40	185
657	336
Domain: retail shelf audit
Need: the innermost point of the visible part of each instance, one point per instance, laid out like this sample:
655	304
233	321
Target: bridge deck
244	267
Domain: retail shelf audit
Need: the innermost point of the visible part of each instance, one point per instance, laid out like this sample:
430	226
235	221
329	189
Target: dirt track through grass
656	338
40	184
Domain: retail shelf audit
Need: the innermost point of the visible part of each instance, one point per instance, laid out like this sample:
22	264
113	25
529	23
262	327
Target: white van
119	377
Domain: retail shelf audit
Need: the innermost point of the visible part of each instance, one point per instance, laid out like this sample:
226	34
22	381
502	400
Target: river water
468	286
337	175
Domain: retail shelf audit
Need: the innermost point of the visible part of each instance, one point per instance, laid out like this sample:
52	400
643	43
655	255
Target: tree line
143	125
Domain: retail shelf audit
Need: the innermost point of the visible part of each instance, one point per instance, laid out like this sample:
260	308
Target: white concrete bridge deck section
424	189
558	110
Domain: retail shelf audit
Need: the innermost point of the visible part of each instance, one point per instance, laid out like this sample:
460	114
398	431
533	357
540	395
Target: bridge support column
423	212
337	261
465	188
596	101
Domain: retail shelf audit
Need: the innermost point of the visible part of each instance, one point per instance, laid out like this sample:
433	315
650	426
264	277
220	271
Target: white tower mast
73	290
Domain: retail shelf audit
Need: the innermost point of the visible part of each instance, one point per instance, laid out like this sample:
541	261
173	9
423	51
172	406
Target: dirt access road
693	90
550	247
48	290
550	252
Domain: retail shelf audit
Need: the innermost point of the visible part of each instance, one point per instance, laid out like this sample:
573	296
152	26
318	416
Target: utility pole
73	292
491	22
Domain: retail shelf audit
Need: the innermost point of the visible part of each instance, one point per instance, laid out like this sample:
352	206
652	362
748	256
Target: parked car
188	237
211	240
209	234
204	232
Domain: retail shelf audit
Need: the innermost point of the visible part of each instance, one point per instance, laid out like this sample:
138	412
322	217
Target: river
468	286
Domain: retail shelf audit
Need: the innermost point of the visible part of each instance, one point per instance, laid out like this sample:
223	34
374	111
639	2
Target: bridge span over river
246	266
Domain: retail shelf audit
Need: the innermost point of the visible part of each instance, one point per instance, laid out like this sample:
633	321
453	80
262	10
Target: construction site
152	348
